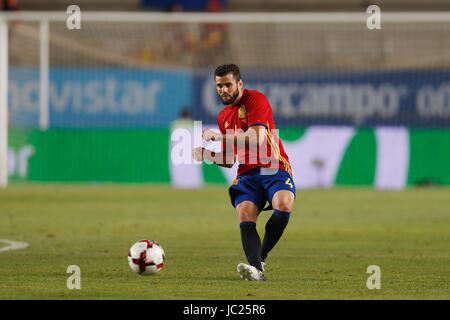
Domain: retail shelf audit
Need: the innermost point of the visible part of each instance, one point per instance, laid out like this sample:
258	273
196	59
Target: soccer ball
146	257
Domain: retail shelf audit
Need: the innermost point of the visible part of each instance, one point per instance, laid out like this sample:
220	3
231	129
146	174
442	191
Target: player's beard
231	100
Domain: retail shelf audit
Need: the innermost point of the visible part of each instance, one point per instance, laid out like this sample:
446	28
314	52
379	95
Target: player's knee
283	203
247	211
285	207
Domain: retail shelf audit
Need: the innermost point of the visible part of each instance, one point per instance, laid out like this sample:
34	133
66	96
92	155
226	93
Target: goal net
354	106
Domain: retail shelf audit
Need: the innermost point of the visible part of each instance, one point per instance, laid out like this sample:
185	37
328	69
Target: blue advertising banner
302	98
127	97
101	97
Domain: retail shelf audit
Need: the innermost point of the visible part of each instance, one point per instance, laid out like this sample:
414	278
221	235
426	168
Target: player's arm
258	113
221	159
253	136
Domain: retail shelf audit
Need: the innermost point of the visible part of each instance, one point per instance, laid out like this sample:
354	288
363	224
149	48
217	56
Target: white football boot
249	272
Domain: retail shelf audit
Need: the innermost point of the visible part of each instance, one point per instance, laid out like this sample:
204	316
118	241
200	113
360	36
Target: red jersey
254	109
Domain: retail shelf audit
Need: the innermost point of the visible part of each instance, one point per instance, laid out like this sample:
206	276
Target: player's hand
209	135
197	153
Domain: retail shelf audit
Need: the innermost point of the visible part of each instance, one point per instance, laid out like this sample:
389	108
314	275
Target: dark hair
185	113
226	69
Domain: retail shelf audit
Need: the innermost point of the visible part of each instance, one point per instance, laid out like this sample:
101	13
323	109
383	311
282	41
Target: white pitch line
13	245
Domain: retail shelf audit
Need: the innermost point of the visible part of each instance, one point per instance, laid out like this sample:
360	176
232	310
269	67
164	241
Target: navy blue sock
251	243
274	229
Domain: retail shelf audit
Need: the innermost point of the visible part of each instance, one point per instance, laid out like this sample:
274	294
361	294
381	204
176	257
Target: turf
332	237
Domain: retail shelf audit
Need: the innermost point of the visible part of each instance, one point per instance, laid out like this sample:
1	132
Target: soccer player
247	132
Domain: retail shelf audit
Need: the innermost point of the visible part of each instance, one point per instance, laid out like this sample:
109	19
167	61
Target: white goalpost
3	103
4	79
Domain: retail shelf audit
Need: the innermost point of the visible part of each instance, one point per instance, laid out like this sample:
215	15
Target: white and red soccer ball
146	257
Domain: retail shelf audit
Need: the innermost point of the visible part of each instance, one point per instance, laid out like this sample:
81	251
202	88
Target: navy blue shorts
259	186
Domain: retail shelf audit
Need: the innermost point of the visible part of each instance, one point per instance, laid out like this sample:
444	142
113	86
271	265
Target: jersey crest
242	112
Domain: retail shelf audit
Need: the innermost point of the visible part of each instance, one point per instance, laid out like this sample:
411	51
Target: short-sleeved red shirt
254	109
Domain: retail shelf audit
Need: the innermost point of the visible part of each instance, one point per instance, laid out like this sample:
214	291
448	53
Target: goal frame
44	17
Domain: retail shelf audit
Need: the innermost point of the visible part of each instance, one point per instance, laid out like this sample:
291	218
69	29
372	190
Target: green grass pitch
332	237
